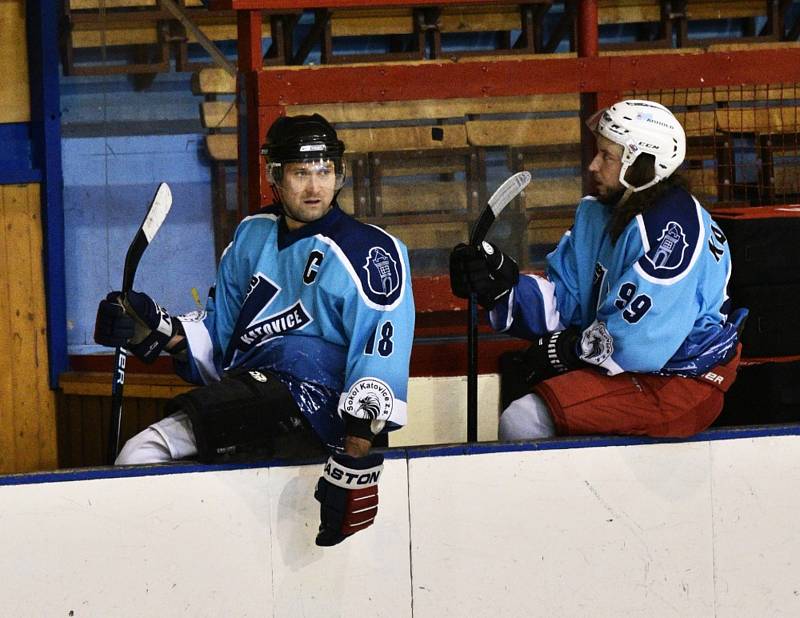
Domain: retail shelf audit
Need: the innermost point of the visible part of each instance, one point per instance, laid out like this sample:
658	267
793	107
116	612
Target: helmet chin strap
625	196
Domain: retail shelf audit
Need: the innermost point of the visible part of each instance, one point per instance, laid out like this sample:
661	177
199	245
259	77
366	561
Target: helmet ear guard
641	126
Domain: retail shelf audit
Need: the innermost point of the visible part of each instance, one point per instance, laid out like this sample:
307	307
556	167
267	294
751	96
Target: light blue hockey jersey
328	308
655	301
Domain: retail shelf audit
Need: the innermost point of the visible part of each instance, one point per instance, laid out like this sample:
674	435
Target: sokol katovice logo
369	398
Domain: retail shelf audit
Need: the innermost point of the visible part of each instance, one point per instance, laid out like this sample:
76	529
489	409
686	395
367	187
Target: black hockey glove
552	354
348	496
486	271
136	323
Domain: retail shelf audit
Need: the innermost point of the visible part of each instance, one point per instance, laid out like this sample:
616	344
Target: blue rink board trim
452	450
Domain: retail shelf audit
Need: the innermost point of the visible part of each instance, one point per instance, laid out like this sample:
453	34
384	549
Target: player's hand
485	271
113	327
136	322
348	495
552	354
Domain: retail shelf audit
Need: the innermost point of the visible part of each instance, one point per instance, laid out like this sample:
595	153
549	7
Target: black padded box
764	243
773	324
763	394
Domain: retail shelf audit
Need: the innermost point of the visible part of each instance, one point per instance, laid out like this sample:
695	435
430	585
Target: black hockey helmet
310	138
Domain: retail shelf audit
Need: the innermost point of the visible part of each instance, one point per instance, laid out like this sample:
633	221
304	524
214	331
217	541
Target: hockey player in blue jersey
632	329
305	337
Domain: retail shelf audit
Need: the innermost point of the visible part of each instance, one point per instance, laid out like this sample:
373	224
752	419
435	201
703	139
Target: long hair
641	172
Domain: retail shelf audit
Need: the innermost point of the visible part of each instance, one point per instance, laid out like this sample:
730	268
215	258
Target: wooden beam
27	433
150	386
523	132
14	88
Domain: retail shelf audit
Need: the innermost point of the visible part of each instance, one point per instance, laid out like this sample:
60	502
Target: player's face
605	168
306	191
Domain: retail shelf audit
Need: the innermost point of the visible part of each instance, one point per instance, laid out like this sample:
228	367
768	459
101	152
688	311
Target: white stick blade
159	208
507	191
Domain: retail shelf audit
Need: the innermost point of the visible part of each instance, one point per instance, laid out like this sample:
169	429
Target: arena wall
605	527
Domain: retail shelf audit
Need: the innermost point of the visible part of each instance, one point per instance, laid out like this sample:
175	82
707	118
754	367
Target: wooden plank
547	230
553	191
480	19
628	11
216	81
403	138
725	9
702	182
523	132
423	197
222	146
708	96
24	406
7	362
364	22
439	109
780	93
115	35
31	409
759	120
98	384
676	98
14	90
218	114
418	164
225	30
648	51
557	157
81	5
427	235
733	47
213	81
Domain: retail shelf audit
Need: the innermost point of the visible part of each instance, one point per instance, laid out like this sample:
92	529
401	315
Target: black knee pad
243	412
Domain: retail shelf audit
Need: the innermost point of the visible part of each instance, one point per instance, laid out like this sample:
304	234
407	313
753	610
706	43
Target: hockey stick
156	213
506	192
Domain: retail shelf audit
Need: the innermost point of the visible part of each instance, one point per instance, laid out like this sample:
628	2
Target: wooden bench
144	33
419	168
84	410
100	33
727	125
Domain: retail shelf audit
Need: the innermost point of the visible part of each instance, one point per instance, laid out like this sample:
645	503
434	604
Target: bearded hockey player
630	324
305	337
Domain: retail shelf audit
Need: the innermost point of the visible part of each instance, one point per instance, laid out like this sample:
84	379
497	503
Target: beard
611	199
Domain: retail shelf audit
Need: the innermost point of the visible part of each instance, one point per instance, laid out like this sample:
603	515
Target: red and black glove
485	271
135	322
348	495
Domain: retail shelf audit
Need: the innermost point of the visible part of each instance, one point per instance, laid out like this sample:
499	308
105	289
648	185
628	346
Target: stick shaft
472	369
506	192
156	213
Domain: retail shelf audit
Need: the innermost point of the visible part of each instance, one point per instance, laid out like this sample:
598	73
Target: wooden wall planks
14	91
27	405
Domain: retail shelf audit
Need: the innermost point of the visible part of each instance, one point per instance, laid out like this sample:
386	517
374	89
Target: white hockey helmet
642	126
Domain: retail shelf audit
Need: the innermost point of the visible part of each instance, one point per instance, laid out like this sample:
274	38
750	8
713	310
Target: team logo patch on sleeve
672	234
369	398
597	344
668	254
383	276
